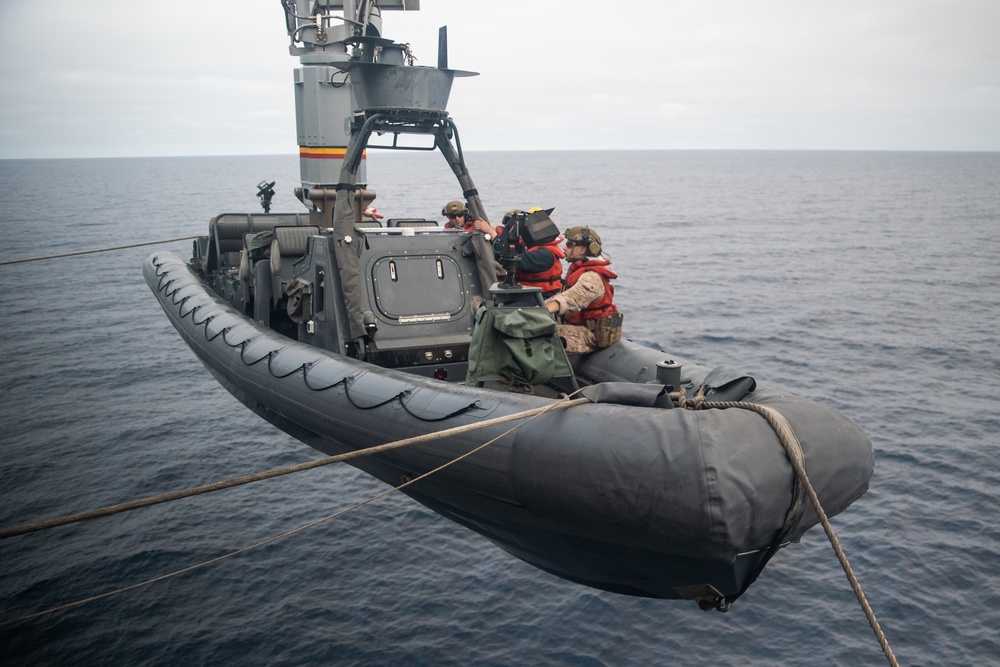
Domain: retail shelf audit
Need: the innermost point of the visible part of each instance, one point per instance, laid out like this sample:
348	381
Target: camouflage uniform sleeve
588	288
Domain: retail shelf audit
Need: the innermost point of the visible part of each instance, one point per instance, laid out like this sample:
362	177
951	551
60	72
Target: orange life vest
549	280
602	307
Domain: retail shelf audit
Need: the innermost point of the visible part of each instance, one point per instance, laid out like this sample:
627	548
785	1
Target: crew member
458	217
539	265
588	296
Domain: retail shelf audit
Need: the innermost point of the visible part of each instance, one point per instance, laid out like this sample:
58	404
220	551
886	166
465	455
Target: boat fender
643	395
724	384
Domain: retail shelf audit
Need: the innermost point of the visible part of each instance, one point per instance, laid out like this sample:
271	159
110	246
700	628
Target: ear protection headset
588	236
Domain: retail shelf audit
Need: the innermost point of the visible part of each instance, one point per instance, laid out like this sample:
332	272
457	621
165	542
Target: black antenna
443	47
265	191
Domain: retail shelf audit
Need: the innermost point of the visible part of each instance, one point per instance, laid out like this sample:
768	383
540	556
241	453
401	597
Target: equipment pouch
607	330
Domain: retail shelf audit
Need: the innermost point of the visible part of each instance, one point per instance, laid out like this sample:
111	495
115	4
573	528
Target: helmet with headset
455	208
584	236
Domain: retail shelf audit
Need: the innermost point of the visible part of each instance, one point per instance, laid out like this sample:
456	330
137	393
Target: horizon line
295	154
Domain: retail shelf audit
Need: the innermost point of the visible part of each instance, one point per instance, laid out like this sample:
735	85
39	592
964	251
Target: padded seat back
289	246
226	233
245	257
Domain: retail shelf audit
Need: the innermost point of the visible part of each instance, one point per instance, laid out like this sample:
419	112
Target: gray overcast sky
205	77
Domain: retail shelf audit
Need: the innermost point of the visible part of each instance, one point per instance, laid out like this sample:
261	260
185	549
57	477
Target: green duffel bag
516	344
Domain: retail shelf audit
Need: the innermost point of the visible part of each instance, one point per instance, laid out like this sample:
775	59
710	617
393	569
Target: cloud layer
101	78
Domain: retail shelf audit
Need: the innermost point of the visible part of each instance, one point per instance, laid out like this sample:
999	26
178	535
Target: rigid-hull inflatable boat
347	331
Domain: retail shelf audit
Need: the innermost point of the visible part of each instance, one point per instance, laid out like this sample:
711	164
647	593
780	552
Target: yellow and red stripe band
320	153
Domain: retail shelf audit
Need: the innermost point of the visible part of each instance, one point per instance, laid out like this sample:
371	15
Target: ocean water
868	281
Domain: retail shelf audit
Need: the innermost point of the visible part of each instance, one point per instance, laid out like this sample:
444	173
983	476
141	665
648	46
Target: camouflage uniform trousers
579	339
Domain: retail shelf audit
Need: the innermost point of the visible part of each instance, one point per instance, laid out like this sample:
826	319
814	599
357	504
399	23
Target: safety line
793	448
96	250
527	414
277	472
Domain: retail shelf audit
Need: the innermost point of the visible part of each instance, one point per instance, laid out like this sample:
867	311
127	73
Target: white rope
793	448
527	415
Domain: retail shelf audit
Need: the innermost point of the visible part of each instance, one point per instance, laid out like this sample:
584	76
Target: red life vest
602	307
549	280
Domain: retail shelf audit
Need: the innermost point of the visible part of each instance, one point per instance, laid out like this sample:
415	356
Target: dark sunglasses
452	216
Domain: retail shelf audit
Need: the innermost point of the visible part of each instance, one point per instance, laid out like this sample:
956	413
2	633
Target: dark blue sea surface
868	281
